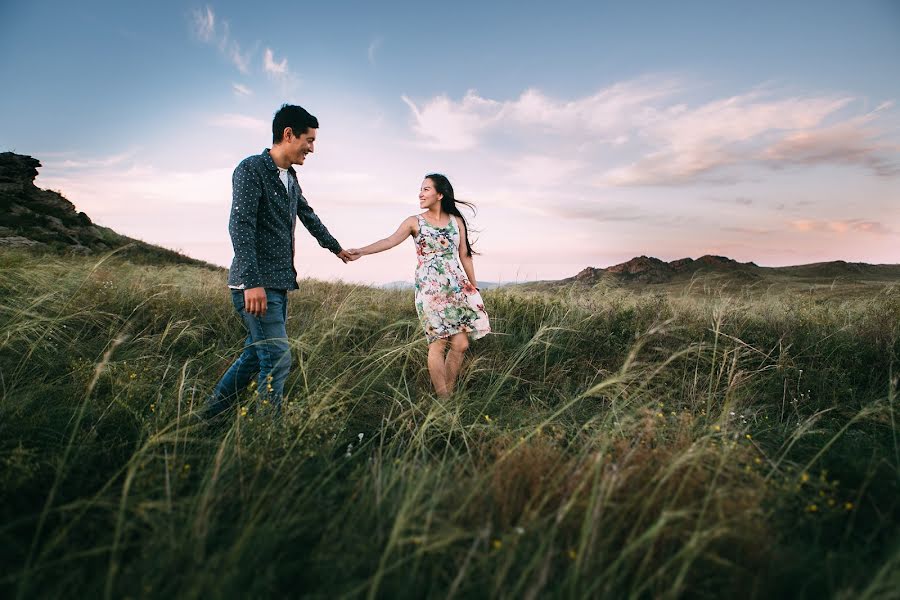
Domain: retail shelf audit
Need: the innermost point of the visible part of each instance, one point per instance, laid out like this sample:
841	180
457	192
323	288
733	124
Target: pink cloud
850	142
840	226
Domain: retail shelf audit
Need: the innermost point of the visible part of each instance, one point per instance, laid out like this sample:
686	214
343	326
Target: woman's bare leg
459	343
436	367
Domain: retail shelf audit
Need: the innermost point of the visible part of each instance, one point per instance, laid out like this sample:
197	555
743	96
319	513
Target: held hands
354	253
348	255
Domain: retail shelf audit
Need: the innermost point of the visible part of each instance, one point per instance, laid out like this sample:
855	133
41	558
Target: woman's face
428	196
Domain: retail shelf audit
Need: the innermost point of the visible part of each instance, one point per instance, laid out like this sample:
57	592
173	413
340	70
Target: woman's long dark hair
449	204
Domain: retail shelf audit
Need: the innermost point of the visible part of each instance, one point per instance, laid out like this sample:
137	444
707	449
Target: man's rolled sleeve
246	193
315	227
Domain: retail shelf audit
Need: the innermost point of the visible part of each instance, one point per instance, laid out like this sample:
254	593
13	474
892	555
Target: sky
586	133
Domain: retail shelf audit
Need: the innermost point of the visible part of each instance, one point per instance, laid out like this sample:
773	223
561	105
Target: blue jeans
266	355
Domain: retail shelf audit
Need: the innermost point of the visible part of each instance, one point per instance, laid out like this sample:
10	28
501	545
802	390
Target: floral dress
446	300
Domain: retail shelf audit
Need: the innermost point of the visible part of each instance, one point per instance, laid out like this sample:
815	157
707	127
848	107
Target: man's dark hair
295	117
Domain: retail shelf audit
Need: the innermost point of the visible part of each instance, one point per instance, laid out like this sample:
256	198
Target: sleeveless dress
446	300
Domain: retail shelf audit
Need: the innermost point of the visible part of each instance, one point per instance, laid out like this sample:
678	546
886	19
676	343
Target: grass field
604	444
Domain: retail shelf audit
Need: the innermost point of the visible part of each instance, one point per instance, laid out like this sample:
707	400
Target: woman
447	297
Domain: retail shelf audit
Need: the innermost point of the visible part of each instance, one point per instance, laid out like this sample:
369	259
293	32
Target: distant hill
45	221
652	273
647	269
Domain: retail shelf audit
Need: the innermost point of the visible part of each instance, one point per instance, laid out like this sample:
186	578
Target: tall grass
603	444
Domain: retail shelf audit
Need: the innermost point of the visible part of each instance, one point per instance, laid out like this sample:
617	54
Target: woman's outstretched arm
406	229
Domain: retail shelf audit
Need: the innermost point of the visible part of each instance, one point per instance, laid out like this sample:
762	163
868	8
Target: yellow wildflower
497	544
488	418
804	477
573	554
848	506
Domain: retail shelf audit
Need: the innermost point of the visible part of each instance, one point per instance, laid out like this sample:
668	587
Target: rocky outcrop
31	217
648	269
588	273
645	269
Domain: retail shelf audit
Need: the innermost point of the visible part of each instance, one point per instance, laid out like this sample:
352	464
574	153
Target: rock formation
43	220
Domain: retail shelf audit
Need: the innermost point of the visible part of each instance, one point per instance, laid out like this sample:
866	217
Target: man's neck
278	157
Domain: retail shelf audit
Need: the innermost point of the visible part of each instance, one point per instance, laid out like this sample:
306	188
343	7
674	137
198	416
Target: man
266	200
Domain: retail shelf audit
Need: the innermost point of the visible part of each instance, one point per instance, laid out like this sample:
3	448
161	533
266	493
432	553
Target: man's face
300	145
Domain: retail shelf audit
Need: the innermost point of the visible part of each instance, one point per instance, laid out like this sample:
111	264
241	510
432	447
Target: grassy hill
606	443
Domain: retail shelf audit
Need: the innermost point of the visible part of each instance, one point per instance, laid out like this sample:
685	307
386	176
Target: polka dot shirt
263	213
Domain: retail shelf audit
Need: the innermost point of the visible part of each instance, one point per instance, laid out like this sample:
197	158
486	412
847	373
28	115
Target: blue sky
586	132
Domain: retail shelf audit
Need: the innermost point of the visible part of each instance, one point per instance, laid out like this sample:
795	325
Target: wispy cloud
204	23
618	213
373	48
232	49
278	71
851	142
605	117
273	67
689	145
672	142
447	125
840	226
237	121
91	162
750	230
241	90
207	28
